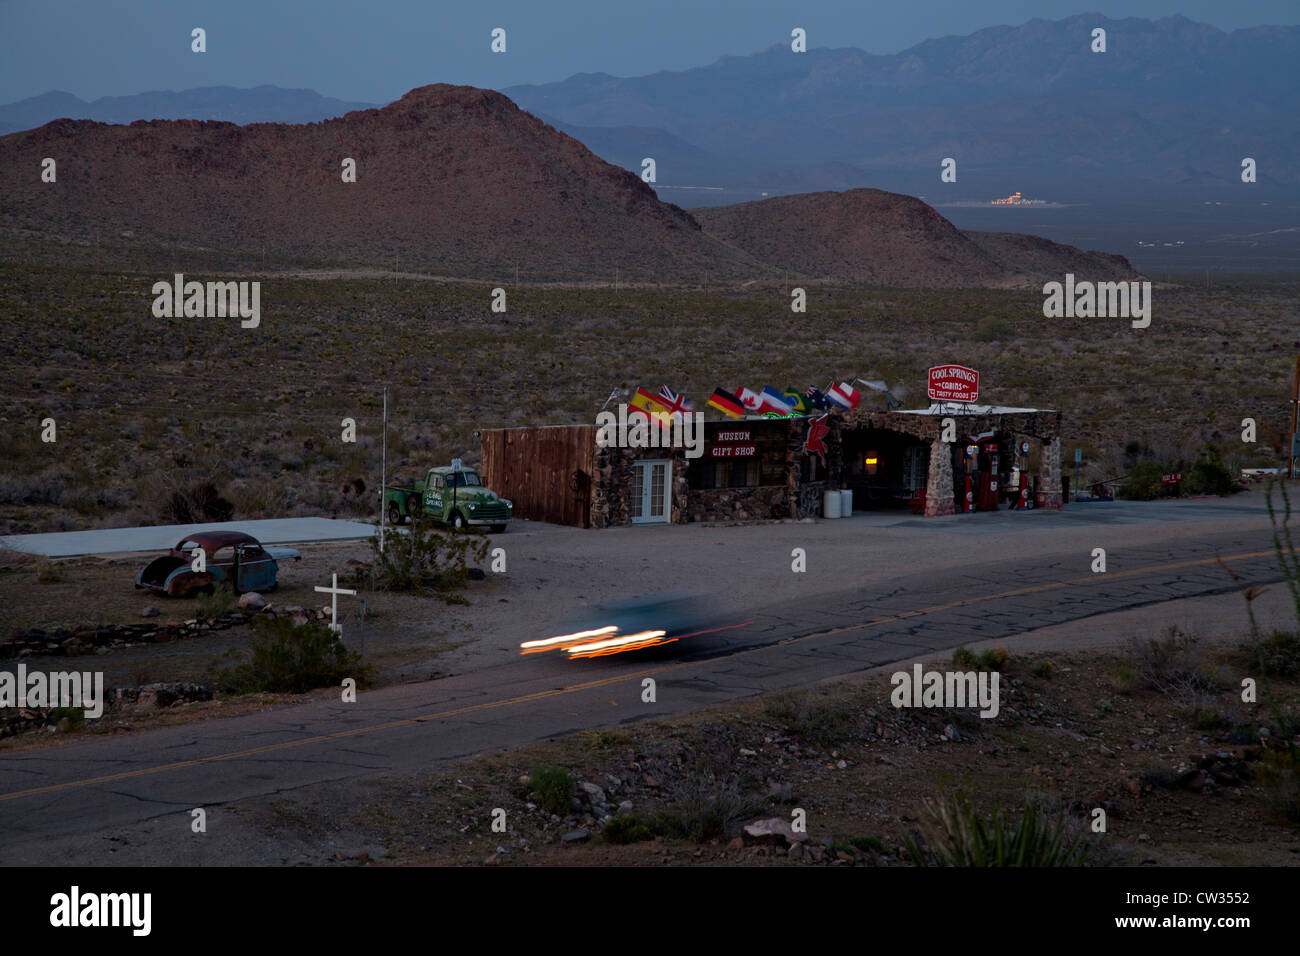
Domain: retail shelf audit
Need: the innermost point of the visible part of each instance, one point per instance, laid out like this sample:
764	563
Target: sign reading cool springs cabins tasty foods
953	383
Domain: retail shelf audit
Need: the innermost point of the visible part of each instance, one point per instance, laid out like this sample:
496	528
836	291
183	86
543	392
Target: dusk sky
376	51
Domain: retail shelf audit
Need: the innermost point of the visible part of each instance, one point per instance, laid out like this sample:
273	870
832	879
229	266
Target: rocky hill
890	239
450	179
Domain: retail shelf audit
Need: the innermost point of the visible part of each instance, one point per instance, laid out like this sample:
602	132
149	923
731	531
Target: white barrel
831	503
846	503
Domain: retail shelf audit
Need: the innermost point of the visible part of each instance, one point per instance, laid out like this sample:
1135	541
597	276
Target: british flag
677	404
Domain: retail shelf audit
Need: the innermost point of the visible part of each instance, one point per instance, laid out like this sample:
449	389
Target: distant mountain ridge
459	181
260	104
1171	108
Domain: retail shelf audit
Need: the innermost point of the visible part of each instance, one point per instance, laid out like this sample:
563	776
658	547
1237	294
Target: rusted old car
228	557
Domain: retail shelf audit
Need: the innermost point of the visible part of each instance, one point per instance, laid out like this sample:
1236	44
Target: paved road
67	544
61	804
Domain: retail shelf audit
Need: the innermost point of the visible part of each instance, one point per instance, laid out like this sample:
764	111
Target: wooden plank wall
532	467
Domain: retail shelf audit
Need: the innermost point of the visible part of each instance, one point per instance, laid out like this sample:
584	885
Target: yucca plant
960	836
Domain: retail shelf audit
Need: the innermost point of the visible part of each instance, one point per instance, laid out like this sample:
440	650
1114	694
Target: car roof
213	540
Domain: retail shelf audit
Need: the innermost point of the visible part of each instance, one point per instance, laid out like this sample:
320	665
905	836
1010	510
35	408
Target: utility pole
1295	419
383	472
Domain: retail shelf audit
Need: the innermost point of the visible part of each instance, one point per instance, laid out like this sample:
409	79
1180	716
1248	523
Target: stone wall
738	504
938	486
611	484
1049	477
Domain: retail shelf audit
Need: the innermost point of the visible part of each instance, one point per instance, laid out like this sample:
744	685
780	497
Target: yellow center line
605	681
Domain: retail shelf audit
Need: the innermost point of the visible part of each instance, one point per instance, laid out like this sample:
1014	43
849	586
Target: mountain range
1169	110
459	181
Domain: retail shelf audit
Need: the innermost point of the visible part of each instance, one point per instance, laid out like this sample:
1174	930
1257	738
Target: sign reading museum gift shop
732	444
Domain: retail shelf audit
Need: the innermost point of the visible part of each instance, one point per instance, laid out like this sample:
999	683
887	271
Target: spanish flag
726	403
653	407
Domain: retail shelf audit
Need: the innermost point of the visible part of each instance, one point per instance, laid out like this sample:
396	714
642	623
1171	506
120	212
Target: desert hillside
889	239
451	179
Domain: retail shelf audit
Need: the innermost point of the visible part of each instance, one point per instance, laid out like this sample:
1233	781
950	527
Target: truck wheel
394	513
458	521
498	528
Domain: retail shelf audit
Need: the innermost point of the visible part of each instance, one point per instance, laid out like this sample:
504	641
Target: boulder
772	831
252	601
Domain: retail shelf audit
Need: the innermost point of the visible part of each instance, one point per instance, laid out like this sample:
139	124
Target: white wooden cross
335	590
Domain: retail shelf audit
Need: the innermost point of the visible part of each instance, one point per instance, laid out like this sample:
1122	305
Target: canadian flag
751	400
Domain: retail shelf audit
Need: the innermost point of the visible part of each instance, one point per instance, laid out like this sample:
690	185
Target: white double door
651	484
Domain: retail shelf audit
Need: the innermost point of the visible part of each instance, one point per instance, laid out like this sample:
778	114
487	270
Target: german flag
726	403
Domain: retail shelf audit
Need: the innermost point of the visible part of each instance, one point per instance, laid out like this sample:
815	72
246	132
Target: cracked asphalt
880	589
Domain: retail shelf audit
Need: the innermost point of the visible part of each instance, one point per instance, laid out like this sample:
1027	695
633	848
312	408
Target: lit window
872	462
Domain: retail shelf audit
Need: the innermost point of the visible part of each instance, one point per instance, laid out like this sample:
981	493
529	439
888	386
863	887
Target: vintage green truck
456	497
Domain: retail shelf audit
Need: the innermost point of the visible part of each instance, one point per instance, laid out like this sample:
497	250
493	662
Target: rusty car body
229	557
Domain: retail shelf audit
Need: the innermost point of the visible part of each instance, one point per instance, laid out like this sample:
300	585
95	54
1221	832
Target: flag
726	403
653	408
675	403
817	430
797	402
844	395
750	400
816	399
774	401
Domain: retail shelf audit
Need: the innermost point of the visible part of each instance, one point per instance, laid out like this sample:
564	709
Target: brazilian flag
797	399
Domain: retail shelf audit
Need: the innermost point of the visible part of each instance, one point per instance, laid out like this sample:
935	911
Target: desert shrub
219	603
1174	664
424	558
1044	670
626	828
48	572
554	787
993	659
821	719
285	658
964	659
1279	653
1145	480
75	717
706	807
194	503
867	844
1279	772
991	328
959	835
1208	476
1123	679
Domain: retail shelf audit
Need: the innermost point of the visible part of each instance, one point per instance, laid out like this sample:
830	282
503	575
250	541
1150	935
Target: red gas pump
970	465
988	477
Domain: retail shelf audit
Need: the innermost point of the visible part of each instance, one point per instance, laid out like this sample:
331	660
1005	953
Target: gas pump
988	476
1024	498
970	467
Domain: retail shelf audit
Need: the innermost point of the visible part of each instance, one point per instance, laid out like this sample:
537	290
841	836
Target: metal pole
383	473
1295	417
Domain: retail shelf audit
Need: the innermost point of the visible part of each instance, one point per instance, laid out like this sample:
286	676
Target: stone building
757	468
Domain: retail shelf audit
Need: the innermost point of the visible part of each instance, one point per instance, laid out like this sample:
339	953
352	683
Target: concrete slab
67	544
